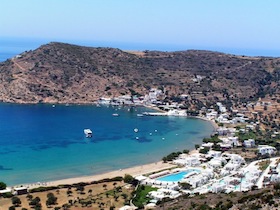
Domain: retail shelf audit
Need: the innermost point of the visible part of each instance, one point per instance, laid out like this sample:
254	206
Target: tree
105	186
51	199
69	192
2	186
128	178
29	197
114	184
80	188
16	201
205	150
196	146
164	159
38	207
35	201
186	151
12	208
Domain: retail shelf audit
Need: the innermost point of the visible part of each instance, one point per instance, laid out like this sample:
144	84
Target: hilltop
64	73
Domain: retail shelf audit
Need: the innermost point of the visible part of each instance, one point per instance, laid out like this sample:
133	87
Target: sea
45	142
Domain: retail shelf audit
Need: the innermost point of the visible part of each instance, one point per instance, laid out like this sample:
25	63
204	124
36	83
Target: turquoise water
44	143
175	177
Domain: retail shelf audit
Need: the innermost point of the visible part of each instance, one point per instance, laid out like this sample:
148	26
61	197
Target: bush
7	195
35	202
117	179
42	189
16	201
128	178
2	186
205	150
51	199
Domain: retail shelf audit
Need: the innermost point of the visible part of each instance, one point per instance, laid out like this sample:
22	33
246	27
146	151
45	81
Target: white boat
155	113
88	133
176	112
115	114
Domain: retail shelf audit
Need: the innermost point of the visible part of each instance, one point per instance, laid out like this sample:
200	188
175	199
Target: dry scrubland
103	195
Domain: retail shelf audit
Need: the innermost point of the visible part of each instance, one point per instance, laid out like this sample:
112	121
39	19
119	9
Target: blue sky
161	24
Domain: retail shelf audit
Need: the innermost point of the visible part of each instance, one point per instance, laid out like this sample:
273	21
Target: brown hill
64	73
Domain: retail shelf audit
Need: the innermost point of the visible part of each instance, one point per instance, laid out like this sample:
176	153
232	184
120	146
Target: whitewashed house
164	193
218	187
222	131
249	143
236	159
266	150
187	161
212	154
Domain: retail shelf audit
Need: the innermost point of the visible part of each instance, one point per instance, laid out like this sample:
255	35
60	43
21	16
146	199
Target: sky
222	25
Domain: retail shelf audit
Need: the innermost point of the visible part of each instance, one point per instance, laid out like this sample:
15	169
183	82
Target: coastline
134	171
213	123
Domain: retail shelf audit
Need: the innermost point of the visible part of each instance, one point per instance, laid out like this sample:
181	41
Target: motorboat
88	133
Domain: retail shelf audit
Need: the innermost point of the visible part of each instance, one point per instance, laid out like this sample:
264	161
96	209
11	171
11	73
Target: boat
136	130
176	112
115	114
140	115
88	133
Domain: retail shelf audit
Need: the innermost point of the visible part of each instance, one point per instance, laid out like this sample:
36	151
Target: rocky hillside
64	73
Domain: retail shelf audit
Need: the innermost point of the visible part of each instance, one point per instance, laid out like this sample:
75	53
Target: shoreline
213	123
133	171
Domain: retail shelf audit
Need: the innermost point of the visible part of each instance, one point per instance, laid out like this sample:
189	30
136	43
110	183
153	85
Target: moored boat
88	133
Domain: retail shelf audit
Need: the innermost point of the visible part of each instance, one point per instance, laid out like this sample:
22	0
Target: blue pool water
175	177
43	143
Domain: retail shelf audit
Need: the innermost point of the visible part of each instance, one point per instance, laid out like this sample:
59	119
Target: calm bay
43	142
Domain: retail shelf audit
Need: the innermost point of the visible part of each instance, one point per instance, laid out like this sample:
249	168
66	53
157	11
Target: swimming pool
176	177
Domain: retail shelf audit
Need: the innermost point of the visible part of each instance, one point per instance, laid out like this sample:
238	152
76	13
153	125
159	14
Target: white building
213	154
164	193
249	143
265	149
188	161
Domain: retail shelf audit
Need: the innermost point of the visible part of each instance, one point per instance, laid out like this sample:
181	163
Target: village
214	166
231	160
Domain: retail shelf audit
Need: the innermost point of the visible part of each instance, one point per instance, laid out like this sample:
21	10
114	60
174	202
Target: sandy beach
134	171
